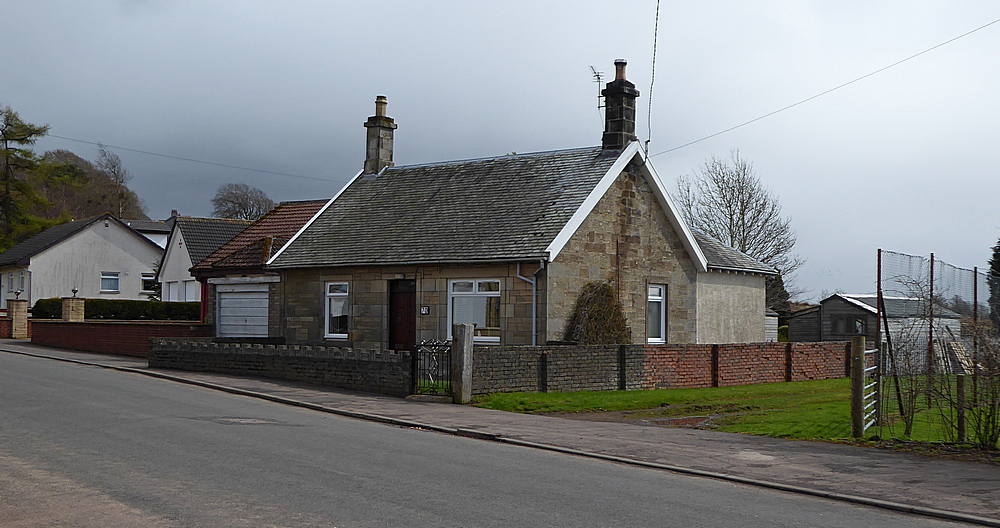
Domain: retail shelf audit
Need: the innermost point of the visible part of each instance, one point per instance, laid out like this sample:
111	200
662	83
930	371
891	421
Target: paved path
966	487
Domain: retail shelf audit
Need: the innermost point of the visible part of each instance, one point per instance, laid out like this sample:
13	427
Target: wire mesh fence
940	353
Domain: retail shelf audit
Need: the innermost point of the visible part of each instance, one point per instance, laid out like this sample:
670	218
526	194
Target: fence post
461	362
857	386
18	310
73	309
960	387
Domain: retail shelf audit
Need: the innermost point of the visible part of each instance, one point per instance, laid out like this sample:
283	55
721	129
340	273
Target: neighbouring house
842	316
507	242
238	287
155	230
100	257
191	240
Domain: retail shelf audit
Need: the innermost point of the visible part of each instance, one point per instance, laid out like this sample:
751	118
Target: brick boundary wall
6	327
559	368
123	338
384	372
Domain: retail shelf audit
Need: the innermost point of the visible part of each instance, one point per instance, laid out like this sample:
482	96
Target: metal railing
866	380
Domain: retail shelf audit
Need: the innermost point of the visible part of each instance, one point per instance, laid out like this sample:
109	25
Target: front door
403	314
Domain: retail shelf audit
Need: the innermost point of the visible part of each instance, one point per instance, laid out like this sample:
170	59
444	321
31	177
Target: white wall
78	261
176	281
11	280
730	307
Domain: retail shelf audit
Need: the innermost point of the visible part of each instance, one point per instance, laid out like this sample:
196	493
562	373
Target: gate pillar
461	362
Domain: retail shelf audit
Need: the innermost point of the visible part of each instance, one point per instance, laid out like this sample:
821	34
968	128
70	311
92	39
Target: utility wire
192	160
652	78
824	92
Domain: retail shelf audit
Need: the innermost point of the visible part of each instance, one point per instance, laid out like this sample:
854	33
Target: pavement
847	472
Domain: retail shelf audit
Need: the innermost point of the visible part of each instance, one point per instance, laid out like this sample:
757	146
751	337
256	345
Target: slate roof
21	252
253	246
499	208
205	235
899	307
722	256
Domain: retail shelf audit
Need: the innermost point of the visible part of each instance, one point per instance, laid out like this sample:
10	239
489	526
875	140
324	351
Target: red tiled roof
255	244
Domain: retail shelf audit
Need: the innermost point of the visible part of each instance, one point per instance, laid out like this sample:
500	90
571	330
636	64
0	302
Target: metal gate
432	368
866	387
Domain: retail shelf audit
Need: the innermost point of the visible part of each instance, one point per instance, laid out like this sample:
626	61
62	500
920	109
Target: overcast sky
905	160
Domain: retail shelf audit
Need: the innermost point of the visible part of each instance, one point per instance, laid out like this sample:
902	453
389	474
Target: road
88	447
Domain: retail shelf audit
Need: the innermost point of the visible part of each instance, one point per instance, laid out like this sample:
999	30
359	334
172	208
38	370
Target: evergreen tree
18	199
993	280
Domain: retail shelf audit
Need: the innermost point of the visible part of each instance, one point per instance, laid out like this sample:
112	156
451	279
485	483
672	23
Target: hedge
122	310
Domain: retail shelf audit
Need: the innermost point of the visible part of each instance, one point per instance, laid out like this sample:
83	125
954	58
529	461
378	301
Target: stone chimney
619	110
378	149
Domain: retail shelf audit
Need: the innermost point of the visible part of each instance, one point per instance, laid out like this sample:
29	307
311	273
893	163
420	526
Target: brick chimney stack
619	110
378	149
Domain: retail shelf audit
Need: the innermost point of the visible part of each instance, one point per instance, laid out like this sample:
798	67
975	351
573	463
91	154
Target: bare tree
727	200
239	200
126	203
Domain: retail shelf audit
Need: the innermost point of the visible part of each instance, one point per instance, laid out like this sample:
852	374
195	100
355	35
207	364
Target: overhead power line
824	92
192	160
652	79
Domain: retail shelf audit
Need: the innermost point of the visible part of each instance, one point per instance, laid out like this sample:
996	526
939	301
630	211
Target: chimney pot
380	103
173	213
620	69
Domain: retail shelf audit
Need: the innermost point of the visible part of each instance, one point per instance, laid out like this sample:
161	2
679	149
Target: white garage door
242	310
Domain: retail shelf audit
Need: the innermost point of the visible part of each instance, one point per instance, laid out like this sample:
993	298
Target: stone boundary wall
560	368
123	338
385	372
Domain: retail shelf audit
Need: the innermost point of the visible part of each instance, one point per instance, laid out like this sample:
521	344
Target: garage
242	310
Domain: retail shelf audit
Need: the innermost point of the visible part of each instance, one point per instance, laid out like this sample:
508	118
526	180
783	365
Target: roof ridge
214	219
487	158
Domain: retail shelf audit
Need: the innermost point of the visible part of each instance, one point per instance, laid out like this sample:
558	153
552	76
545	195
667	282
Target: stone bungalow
402	252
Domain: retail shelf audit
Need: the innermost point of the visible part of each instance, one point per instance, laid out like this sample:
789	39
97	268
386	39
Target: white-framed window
337	310
10	281
656	313
20	276
475	301
110	282
148	282
191	292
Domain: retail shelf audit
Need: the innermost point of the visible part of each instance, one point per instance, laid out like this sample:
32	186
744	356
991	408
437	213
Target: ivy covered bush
598	317
122	310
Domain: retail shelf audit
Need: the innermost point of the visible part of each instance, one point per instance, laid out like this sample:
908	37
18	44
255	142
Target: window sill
656	341
110	291
342	337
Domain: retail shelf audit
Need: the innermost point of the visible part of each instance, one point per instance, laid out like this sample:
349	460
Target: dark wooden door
403	314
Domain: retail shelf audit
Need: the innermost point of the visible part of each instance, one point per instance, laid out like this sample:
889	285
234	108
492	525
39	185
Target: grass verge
804	409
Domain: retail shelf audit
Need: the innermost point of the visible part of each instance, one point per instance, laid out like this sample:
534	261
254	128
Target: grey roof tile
505	207
205	235
720	255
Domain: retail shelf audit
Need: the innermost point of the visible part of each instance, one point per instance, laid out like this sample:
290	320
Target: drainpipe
534	298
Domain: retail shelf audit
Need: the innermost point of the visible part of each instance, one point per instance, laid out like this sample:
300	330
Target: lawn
803	409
